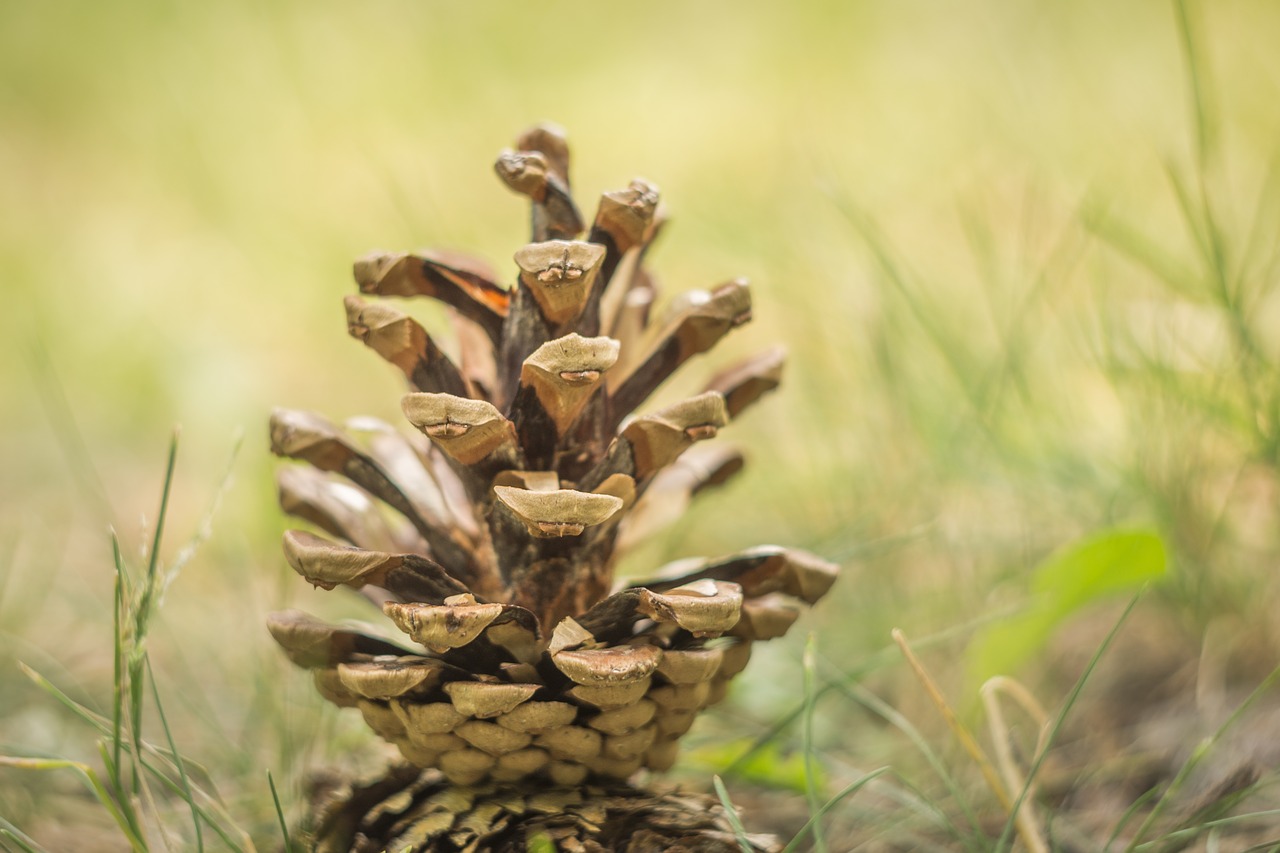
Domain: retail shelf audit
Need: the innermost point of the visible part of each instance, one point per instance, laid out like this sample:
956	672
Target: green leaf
731	814
1107	564
284	824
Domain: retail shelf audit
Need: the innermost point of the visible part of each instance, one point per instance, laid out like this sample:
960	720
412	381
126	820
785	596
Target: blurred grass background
1007	330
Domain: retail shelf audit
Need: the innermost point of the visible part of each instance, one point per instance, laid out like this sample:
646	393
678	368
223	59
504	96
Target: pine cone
518	661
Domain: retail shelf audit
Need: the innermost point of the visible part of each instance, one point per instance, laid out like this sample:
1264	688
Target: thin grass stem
1146	797
122	797
243	844
177	757
17	836
141	617
1191	832
1198	754
91	780
117	650
815	820
1072	698
880	658
731	814
284	824
882	709
811	794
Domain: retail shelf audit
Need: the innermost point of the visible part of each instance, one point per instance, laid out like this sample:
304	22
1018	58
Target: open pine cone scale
489	537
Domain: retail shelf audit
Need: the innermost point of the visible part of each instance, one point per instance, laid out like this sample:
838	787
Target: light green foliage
1104	565
766	765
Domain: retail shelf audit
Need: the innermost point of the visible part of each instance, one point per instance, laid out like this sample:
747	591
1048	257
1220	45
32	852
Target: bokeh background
979	228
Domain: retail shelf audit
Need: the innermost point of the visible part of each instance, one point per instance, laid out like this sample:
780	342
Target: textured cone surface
487	528
412	810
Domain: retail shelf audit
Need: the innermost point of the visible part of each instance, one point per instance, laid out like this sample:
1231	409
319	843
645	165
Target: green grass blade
125	802
1264	847
117	646
1191	213
6	835
12	833
1007	833
1198	754
91	780
1143	252
205	527
848	790
171	757
1146	797
137	747
811	793
1185	835
135	684
920	803
284	824
177	757
1195	78
731	813
218	824
141	612
875	705
97	721
1222	805
153	559
879	659
925	315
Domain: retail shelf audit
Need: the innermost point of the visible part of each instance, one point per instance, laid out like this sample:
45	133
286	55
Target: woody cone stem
523	687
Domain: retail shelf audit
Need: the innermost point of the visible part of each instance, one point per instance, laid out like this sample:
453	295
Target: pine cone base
409	809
